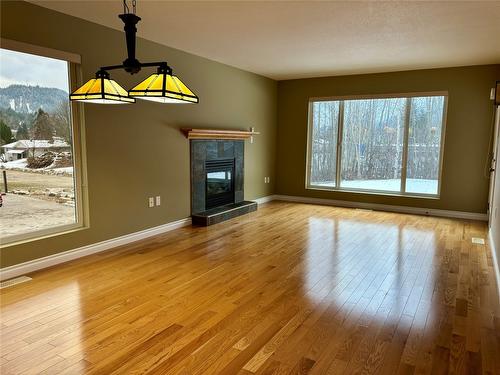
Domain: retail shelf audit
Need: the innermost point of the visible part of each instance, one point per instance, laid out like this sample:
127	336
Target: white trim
373	192
52	260
386	207
17	239
14	281
17	46
267	198
378	96
496	265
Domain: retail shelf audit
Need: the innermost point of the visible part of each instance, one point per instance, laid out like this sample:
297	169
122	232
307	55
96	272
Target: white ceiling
296	39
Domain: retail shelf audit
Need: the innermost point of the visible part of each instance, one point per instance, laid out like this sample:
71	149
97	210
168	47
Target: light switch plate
158	200
151	202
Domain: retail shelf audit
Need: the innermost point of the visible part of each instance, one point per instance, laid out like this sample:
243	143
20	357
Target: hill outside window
380	145
41	146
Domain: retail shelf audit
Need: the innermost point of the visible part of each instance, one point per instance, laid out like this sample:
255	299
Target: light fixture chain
126	9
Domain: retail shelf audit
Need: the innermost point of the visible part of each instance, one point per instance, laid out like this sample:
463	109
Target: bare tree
61	119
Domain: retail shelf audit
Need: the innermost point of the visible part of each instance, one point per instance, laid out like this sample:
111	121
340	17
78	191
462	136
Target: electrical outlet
151	202
267	180
158	200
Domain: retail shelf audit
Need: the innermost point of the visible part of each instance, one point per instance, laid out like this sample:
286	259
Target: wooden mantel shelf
218	134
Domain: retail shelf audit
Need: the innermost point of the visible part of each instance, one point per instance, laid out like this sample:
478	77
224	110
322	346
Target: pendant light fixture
163	87
102	90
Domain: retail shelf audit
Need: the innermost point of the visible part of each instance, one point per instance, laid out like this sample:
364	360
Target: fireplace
216	173
219	187
217	170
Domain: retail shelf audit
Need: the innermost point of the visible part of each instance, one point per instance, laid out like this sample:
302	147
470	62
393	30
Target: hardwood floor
289	289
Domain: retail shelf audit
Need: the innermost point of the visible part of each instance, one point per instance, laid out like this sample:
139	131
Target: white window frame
404	158
78	146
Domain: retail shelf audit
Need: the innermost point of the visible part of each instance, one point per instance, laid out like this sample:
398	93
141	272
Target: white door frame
494	163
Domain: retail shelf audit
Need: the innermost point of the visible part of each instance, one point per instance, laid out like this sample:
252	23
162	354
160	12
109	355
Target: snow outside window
382	145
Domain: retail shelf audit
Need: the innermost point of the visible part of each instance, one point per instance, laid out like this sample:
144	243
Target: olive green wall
137	151
470	112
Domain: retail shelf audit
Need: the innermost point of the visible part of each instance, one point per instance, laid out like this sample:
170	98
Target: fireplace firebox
219	187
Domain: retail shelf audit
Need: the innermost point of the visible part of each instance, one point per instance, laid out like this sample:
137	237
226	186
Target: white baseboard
52	260
496	265
267	198
384	207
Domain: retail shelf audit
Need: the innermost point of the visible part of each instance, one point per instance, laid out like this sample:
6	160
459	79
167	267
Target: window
324	143
40	146
424	144
387	145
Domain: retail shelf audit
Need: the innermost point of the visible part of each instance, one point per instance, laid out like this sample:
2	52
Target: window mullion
339	144
404	158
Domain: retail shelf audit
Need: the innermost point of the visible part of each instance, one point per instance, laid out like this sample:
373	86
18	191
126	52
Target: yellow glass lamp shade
163	87
102	90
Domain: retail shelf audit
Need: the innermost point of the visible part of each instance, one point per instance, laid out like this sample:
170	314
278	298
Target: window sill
40	235
375	192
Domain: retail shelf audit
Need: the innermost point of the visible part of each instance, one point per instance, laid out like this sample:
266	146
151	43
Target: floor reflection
360	267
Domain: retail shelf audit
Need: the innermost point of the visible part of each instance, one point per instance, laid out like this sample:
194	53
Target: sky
27	69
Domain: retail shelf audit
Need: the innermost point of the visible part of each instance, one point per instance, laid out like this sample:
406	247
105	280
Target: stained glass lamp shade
163	87
102	90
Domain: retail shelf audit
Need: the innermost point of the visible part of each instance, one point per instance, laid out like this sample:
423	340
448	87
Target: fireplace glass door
219	182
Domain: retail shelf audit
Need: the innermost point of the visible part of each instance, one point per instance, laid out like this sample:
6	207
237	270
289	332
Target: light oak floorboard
289	289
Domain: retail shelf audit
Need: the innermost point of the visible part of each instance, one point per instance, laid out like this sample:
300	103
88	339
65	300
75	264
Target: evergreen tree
42	126
5	134
22	132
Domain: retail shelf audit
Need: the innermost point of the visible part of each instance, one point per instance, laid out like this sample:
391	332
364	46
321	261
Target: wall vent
15	281
477	240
